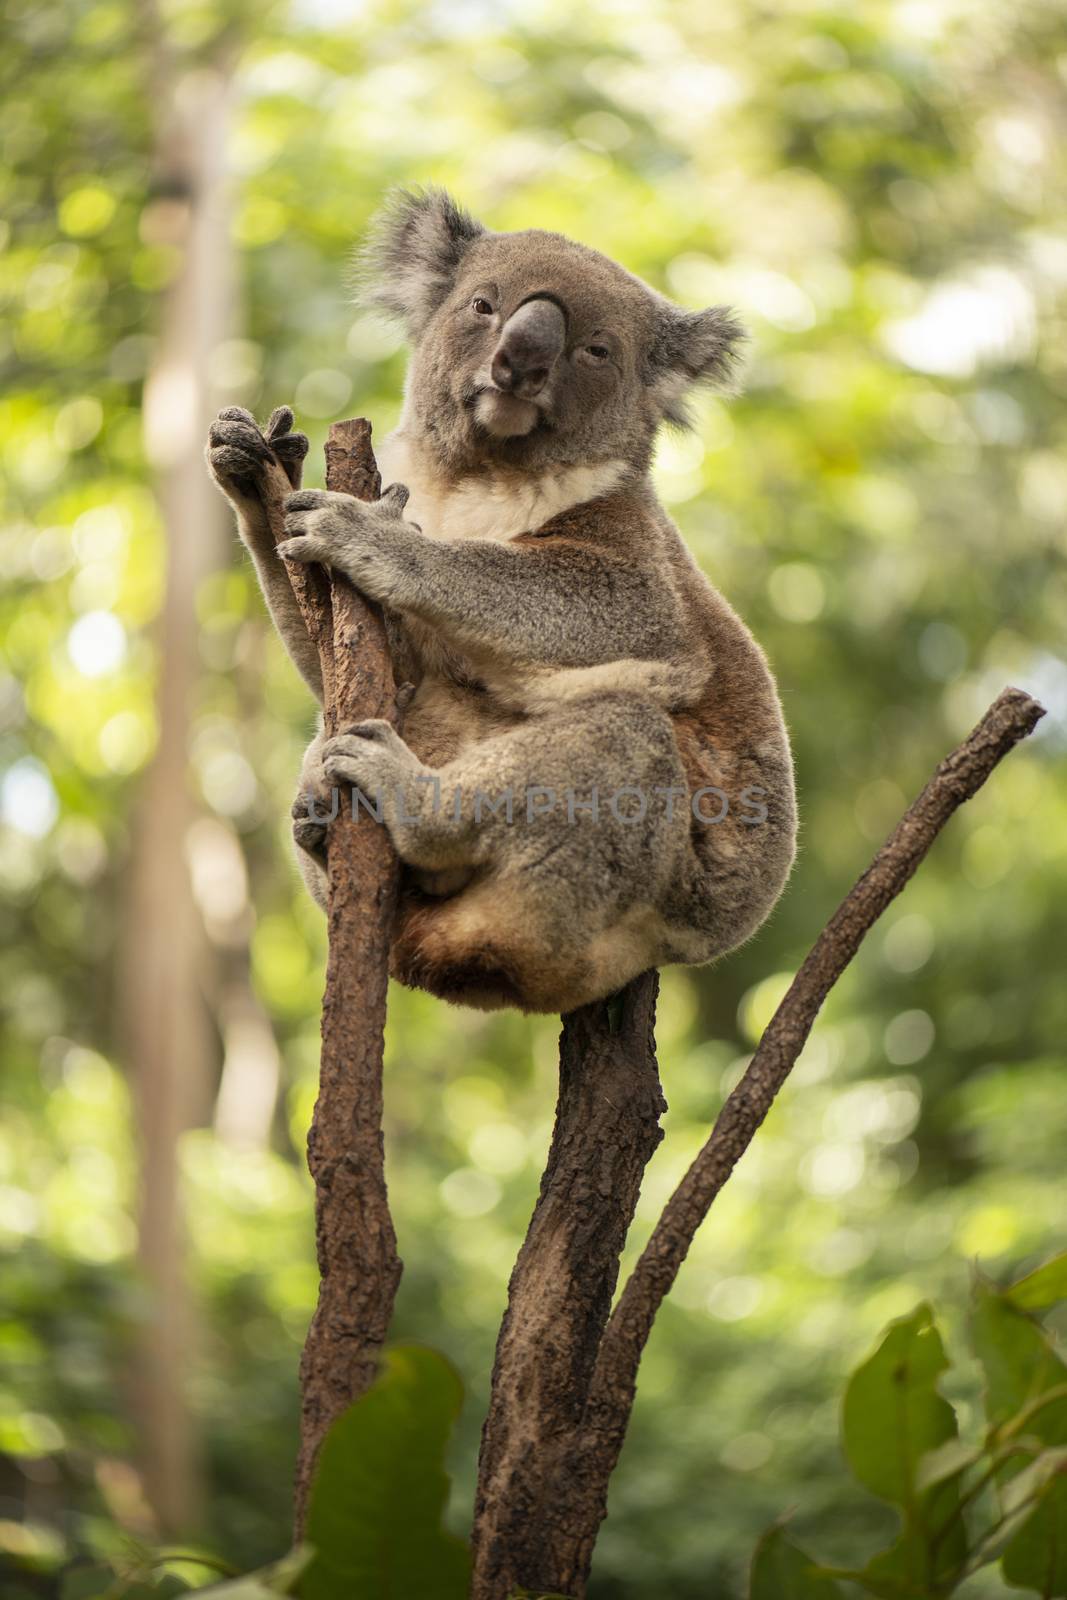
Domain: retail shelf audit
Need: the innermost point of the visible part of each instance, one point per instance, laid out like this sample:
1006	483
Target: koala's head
530	349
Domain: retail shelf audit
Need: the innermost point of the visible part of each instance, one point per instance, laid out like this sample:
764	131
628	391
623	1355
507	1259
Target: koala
595	776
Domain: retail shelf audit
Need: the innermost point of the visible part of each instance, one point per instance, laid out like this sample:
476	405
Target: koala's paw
312	814
391	504
371	755
238	449
288	444
358	537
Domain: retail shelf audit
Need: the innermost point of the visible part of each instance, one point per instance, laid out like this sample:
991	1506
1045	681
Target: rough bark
358	1263
606	1129
544	1540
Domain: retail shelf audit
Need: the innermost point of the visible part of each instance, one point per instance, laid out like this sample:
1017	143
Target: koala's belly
443	719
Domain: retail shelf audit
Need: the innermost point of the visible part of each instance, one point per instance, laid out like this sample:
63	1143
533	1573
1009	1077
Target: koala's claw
290	447
366	754
279	423
238	448
357	537
311	837
302	549
302	543
312	814
240	432
394	499
375	729
308	500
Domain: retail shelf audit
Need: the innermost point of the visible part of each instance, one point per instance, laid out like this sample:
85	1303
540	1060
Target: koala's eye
482	306
599	352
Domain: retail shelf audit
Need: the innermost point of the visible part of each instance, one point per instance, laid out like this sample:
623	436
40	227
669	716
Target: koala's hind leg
574	826
312	809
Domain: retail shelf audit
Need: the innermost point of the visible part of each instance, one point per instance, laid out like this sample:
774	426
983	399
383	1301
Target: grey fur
236	449
412	254
556	630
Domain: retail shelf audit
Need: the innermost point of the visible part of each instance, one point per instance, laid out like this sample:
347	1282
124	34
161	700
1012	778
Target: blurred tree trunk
165	1025
247	1094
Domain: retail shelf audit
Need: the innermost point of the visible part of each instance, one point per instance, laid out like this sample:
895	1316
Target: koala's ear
691	347
413	252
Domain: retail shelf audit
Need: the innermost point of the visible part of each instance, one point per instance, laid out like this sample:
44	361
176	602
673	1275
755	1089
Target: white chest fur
492	505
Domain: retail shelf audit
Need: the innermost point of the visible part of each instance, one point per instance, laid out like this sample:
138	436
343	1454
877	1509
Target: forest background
879	190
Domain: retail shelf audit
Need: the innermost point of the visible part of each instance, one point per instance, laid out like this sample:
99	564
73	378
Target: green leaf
893	1414
284	1573
249	1587
1020	1366
268	1582
911	1567
893	1420
1019	1499
1036	1558
1045	1286
782	1571
949	1460
88	1583
1026	1393
101	1582
881	1578
380	1490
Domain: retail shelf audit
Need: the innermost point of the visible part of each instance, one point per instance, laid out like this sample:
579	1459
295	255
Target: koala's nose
531	342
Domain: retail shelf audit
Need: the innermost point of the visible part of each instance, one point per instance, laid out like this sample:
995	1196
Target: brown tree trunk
607	1128
164	1026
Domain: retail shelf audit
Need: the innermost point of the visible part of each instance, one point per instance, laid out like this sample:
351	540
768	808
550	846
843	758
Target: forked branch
564	1491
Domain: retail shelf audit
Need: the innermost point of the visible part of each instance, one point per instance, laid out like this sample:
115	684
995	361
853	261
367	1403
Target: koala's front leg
560	602
366	540
237	452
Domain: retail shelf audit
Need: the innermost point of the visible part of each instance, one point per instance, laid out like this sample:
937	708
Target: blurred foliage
374	1517
962	1505
880	190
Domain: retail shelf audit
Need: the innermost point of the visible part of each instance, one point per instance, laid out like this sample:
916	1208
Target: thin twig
1009	719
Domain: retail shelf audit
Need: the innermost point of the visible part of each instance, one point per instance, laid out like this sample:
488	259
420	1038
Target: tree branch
564	1484
358	1263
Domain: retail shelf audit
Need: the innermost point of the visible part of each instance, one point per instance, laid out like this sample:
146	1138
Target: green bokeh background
879	189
